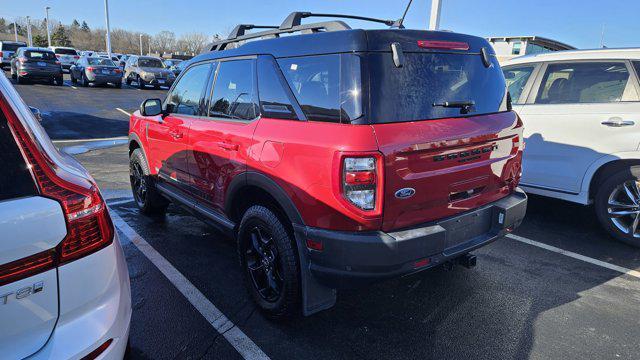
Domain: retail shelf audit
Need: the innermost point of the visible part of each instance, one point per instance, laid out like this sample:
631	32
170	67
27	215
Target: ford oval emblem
405	193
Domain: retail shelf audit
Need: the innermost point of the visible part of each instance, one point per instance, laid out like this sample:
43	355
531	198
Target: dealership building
507	47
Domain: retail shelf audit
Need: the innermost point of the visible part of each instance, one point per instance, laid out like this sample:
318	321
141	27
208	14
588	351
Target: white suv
581	114
64	283
66	55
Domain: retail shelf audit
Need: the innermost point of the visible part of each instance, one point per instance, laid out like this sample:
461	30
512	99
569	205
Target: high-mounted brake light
441	44
89	226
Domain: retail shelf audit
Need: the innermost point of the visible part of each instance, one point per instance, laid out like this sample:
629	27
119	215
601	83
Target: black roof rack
294	19
291	24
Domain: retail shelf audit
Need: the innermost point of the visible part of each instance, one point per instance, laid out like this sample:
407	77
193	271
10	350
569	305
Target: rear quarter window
15	178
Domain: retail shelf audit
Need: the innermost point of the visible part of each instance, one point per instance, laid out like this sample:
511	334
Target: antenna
406	10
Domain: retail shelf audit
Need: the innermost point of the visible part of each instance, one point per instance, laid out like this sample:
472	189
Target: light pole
46	10
15	29
434	20
29	40
140	44
106	15
149	42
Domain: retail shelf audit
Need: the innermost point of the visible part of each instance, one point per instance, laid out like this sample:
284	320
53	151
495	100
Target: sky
578	23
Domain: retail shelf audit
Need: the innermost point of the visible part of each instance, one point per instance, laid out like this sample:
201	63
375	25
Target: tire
128	81
264	243
59	80
20	79
73	78
140	82
13	74
611	192
156	87
143	187
118	85
83	80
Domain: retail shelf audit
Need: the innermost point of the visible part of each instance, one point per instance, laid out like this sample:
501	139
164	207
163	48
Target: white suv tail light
89	226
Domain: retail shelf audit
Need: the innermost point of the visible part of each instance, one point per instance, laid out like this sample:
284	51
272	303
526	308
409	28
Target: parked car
172	65
148	70
336	158
64	283
96	70
181	66
123	61
33	63
581	111
7	49
66	55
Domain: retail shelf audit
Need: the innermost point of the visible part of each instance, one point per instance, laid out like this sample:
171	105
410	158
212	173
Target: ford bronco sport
336	157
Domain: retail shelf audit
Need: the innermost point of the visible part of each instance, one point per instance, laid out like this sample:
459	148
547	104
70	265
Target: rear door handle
227	146
617	122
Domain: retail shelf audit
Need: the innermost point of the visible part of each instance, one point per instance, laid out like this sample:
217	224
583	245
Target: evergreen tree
40	40
75	24
85	27
60	37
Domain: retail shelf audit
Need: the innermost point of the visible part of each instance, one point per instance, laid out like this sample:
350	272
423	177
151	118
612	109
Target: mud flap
315	296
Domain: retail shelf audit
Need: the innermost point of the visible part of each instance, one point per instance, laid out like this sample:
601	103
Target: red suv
335	157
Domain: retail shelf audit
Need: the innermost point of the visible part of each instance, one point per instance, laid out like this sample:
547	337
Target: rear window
410	92
40	55
65	51
153	63
100	61
11	47
15	178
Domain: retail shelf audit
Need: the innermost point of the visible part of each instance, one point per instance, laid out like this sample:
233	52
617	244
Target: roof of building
533	38
583	54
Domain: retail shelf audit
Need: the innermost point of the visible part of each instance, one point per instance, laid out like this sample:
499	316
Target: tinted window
583	82
517	77
274	101
233	93
327	87
186	96
153	63
100	61
410	92
636	65
11	47
40	55
65	51
15	179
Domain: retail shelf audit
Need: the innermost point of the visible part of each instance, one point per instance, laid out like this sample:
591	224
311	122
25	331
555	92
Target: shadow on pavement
61	125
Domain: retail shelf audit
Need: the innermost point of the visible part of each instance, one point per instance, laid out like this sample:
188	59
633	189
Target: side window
324	92
274	100
586	82
516	78
233	92
186	96
636	65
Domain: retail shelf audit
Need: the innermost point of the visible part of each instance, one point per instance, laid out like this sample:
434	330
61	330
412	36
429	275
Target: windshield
420	88
11	47
100	61
152	63
40	55
65	51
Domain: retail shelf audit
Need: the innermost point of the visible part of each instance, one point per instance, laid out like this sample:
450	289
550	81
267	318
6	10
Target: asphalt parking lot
559	288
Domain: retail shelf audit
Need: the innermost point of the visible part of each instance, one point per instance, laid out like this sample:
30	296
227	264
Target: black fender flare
262	181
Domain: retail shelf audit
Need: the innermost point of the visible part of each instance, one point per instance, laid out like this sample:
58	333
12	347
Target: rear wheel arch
252	188
602	174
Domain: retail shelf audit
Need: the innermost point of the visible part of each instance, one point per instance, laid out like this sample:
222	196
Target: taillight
92	69
76	57
1	55
26	267
89	226
361	182
117	71
440	44
57	62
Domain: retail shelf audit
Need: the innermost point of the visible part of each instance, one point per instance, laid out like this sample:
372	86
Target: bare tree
193	43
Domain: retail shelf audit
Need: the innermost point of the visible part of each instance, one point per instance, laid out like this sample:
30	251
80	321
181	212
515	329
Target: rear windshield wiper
464	106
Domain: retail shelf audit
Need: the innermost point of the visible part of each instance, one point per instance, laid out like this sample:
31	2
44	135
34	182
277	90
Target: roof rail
237	36
295	19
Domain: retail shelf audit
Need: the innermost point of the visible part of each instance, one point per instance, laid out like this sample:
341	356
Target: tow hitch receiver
466	260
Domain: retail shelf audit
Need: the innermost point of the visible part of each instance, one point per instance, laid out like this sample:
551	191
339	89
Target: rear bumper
95	306
36	73
351	259
103	79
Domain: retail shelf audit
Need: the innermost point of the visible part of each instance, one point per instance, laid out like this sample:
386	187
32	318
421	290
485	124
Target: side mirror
36	113
151	107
